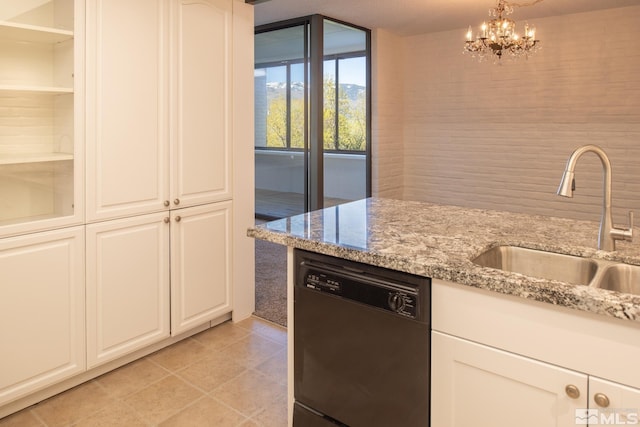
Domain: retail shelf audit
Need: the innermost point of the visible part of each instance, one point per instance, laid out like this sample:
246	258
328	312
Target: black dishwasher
361	344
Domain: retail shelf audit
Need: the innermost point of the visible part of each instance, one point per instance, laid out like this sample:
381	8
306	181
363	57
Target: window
280	89
312	115
345	103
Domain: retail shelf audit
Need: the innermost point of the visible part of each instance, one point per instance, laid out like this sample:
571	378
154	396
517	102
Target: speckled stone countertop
440	241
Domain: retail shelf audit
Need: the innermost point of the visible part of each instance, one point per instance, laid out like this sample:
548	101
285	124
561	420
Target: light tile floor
230	375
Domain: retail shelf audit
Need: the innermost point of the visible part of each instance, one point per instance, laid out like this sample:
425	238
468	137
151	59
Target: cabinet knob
572	391
601	400
176	202
178	218
166	220
167	203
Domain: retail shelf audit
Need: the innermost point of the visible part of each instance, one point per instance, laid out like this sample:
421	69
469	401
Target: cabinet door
612	403
41	111
127	285
41	310
201	101
478	386
127	115
200	265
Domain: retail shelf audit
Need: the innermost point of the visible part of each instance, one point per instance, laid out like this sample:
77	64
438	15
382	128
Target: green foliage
351	129
277	123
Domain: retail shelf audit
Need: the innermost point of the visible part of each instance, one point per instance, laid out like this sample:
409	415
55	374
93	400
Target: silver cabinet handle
572	391
601	400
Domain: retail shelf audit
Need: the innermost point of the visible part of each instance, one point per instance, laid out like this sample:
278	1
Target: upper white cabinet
158	135
41	310
127	107
41	51
201	101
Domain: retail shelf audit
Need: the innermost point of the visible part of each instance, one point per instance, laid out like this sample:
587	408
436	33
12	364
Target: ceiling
411	17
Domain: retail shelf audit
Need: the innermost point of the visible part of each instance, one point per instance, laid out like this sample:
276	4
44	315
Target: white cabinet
155	275
200	265
499	360
479	386
612	403
158	135
127	286
159	140
41	310
201	41
41	51
127	107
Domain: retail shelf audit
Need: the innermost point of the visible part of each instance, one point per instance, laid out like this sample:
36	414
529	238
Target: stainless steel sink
621	278
541	264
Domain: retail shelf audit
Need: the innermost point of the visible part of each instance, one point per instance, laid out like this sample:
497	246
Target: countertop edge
583	298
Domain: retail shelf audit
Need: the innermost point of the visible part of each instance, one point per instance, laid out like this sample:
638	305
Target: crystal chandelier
498	38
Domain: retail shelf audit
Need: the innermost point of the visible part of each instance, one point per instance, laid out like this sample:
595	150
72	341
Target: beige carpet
271	282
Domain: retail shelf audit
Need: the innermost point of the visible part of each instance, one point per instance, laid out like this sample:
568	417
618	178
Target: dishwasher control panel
397	298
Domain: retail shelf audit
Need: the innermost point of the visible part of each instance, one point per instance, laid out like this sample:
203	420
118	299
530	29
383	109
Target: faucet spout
607	234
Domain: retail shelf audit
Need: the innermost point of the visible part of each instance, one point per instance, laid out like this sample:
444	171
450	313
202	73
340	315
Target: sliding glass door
312	114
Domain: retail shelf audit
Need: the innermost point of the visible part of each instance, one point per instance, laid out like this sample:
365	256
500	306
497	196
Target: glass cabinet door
36	114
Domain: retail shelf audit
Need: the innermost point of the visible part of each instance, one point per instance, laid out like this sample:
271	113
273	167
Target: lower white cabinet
479	386
156	275
127	286
612	403
200	265
42	316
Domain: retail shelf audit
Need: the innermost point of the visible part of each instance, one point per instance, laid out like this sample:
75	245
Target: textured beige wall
498	136
387	114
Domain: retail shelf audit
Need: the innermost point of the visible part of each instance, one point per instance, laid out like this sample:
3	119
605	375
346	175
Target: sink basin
541	264
621	278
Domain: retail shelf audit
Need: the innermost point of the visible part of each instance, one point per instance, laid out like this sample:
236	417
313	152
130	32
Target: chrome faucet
608	234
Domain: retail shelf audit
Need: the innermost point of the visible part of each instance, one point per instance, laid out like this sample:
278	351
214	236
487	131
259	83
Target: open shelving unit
37	159
33	33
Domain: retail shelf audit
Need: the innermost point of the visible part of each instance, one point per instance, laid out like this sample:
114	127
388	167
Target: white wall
498	136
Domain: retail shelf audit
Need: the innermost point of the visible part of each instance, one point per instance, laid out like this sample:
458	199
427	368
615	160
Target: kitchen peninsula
563	347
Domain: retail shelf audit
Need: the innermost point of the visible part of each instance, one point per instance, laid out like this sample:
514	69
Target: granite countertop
440	241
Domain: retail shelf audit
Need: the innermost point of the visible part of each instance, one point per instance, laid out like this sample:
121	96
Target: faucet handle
621	233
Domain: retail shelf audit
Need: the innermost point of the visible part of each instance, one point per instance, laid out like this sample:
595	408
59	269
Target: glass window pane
297	105
329	105
276	82
280	123
352	93
261	106
345	115
340	38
